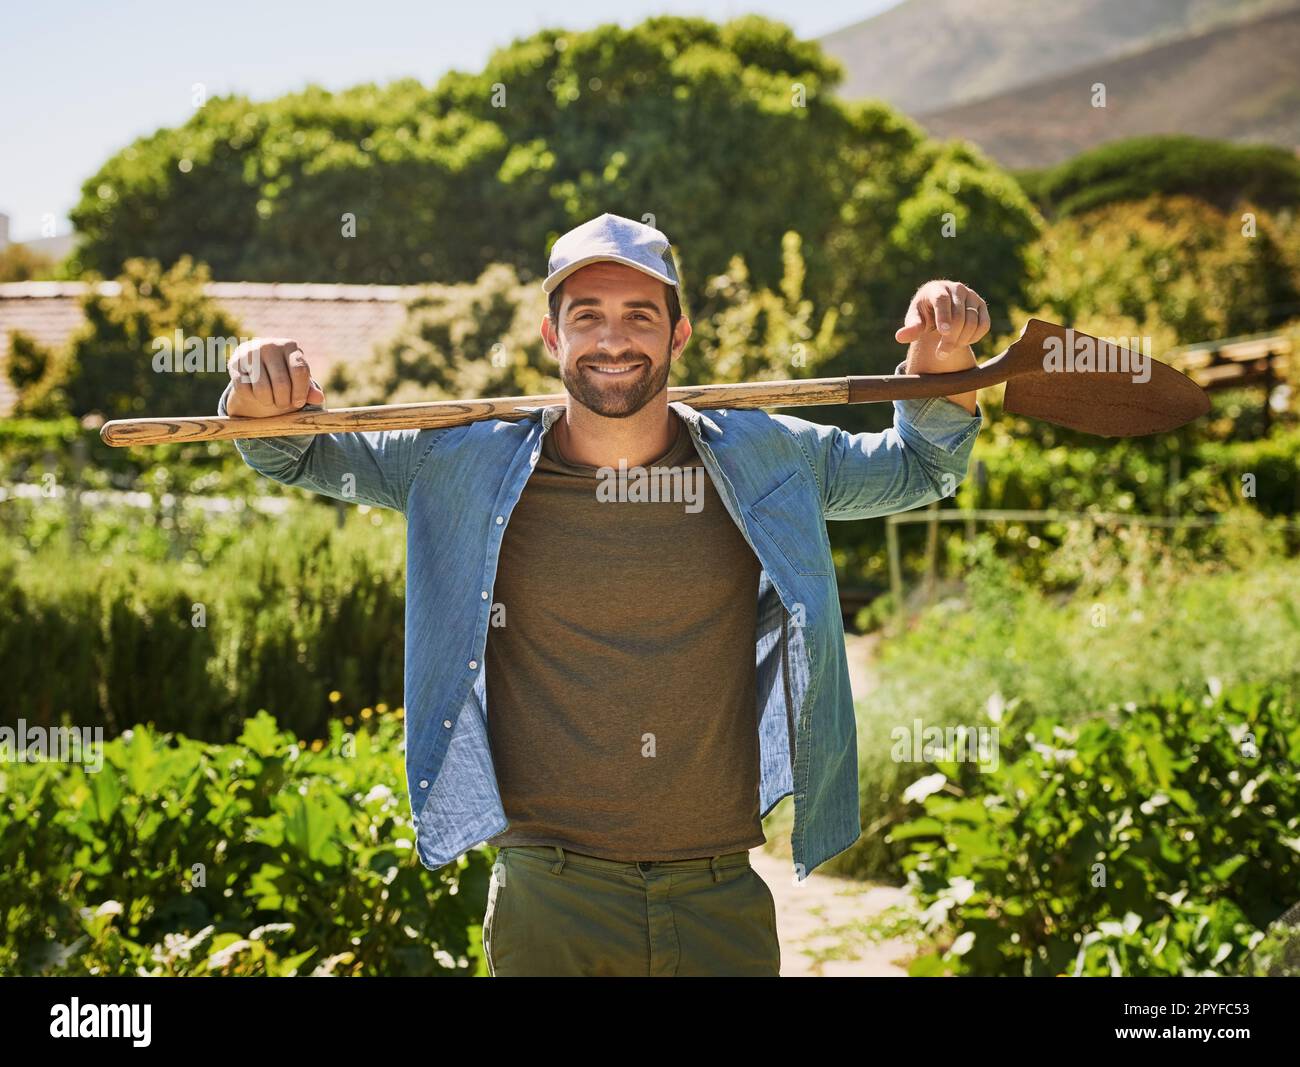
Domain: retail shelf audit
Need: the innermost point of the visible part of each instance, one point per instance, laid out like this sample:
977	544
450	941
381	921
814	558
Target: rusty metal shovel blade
1096	386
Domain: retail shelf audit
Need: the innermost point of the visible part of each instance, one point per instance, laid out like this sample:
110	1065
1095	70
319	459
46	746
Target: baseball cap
616	239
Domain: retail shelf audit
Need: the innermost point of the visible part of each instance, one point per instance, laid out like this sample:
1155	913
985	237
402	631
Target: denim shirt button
473	663
424	783
484	594
446	723
500	520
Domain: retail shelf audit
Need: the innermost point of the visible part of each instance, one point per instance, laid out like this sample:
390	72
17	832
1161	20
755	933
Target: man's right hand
271	377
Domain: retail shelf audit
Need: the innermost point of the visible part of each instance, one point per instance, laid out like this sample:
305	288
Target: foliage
21	263
1207	471
1277	953
474	340
190	645
1168	268
992	224
1186	474
1219	173
749	335
726	136
1133	629
36	375
113	359
1160	844
73	453
261	857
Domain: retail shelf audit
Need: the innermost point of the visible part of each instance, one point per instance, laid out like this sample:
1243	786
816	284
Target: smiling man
612	688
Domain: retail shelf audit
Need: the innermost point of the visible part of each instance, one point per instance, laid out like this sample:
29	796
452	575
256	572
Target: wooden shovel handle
856	389
439	413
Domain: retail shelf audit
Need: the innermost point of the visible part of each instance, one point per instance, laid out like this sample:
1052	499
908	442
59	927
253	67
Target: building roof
332	323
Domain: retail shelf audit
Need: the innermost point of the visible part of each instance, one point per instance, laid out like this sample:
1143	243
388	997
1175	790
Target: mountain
926	55
1238	83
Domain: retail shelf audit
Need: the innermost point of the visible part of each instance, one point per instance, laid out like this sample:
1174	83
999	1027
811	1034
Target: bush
1065	657
36	376
274	622
260	857
472	340
111	358
1165	267
1161	844
1216	172
75	456
19	263
1142	477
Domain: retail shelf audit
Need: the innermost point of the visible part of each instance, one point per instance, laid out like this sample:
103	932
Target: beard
616	398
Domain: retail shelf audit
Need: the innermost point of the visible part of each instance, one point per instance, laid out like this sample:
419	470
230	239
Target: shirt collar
697	420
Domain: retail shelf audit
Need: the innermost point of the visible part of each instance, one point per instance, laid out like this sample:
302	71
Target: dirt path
861	650
822	923
825	922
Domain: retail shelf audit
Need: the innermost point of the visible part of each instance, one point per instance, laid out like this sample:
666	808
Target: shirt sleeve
924	456
373	467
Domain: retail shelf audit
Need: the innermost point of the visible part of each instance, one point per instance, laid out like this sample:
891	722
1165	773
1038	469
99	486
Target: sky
78	81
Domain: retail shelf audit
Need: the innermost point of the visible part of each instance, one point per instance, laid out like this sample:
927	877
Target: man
664	650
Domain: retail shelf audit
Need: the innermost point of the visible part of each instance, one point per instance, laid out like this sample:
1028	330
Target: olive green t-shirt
621	699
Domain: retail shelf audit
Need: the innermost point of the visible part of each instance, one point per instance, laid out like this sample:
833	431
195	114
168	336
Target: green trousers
552	912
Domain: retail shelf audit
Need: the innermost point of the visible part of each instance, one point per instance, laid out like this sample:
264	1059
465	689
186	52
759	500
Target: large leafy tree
726	136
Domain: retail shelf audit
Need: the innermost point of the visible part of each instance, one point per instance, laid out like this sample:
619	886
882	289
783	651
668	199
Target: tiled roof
332	323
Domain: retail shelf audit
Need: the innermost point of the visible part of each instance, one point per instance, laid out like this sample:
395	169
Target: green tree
750	334
18	263
724	135
968	221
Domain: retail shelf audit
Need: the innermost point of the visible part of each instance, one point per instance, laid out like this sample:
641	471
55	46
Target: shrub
259	857
1160	844
273	622
110	365
1217	172
1010	641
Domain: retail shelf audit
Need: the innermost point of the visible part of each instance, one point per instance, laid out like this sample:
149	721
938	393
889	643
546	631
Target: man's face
612	339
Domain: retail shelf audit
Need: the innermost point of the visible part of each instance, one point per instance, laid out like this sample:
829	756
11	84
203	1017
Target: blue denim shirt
779	477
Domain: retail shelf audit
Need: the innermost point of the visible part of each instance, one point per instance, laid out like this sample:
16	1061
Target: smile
613	370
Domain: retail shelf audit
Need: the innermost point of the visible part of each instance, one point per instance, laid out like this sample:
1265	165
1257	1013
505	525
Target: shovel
1053	373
